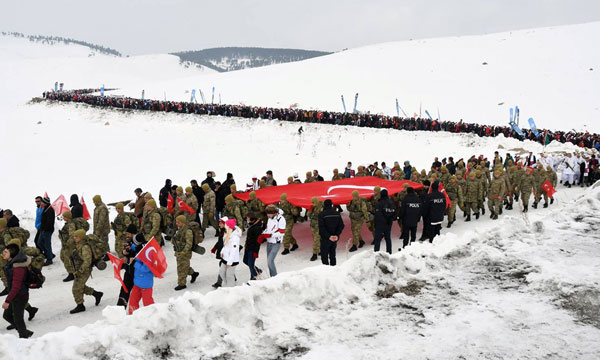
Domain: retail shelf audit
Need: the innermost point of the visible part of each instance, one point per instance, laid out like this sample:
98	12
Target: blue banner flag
533	127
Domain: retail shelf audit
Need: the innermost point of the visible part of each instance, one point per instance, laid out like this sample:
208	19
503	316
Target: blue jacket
407	172
142	276
38	217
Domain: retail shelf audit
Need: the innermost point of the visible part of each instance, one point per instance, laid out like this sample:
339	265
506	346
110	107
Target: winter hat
179	189
410	190
147	196
188	190
355	194
296	177
13	249
290	179
16	242
182	219
249	186
435	186
328	204
405	186
79	233
254	177
46	200
2	223
205	187
139	239
97	199
252	195
119	206
223	219
377	189
335	171
228	199
233	188
309	174
314	200
384	194
67	215
283	197
262	183
151	203
131	229
230	223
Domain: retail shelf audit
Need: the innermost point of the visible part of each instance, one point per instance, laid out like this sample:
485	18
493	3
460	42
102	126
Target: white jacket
275	228
231	251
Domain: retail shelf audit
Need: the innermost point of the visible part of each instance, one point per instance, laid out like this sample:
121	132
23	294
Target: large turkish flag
339	191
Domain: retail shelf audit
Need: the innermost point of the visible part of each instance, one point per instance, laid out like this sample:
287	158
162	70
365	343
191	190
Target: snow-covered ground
487	289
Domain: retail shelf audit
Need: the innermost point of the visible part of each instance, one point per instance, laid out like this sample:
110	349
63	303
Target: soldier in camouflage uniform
209	208
398	175
398	203
151	223
82	261
526	185
256	207
289	211
232	210
484	188
444	175
540	177
371	205
514	174
415	177
496	193
455	194
361	171
183	242
313	215
337	175
473	192
552	178
309	177
67	244
119	225
5	237
358	210
147	197
192	201
101	222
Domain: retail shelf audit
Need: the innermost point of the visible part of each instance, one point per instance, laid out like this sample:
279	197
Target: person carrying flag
143	278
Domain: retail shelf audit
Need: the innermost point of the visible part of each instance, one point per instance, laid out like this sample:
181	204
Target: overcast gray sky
159	26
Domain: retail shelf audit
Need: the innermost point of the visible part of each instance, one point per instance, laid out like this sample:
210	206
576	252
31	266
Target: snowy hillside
552	74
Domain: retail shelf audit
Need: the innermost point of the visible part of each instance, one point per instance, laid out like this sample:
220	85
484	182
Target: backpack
97	247
35	279
81	223
165	220
19	233
134	219
198	238
243	209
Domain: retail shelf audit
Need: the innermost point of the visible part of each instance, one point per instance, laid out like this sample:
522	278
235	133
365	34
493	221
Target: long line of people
465	184
581	139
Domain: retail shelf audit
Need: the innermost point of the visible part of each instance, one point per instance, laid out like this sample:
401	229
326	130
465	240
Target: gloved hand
255	255
213	250
262	238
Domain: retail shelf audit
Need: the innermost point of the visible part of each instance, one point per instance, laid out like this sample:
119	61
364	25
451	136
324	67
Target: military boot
534	205
468	218
361	244
525	209
69	277
482	212
180	287
313	257
194	276
32	311
495	217
79	308
545	205
552	201
98	296
285	252
477	216
294	247
500	211
353	248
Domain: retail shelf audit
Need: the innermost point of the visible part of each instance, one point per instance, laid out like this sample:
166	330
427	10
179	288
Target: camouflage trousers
288	237
65	257
538	196
495	205
104	238
481	204
471	206
183	267
316	239
80	288
2	274
356	225
120	241
525	198
207	219
451	211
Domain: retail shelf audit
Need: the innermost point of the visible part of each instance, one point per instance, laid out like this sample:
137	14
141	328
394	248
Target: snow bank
496	293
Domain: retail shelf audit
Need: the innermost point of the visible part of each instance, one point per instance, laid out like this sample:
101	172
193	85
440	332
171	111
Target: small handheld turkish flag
60	205
170	203
185	207
153	257
117	264
86	213
549	189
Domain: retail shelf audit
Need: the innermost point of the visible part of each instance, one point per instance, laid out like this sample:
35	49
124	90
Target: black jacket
385	213
220	199
252	235
226	187
434	207
330	223
76	207
12	222
163	196
411	210
210	181
199	193
48	217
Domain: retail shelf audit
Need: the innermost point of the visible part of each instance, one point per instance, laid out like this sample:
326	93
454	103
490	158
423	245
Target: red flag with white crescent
117	264
153	257
185	207
549	189
170	203
60	205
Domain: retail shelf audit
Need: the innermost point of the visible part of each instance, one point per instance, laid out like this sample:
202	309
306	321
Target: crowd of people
581	139
182	217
